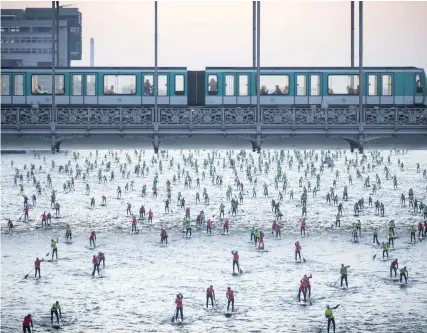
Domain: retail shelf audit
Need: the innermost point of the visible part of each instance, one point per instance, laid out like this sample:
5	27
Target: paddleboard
302	303
208	234
225	234
52	260
55	326
235	274
68	242
344	288
298	262
262	251
385	259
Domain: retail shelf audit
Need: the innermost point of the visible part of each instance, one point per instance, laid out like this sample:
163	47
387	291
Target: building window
42	84
314	85
76	83
387	85
212	85
5	84
229	85
373	85
18	87
419	84
343	84
148	85
120	84
162	85
243	85
274	84
179	85
90	85
301	85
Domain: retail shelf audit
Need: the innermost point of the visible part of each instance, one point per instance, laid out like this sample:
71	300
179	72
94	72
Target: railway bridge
85	127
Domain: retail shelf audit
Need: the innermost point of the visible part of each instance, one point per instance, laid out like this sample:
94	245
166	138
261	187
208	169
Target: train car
320	86
94	86
215	86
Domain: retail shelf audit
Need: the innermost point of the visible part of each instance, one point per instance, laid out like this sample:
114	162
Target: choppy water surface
141	278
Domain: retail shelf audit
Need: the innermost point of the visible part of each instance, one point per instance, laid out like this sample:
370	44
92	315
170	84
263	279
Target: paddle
28	273
375	255
337	281
173	317
303	259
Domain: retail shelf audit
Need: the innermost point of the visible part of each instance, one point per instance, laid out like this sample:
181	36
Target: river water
141	279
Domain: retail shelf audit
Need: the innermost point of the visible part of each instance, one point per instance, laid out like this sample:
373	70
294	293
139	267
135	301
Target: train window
212	85
229	85
148	85
91	85
418	83
387	85
343	84
41	84
76	82
301	85
373	85
162	85
274	84
314	85
120	84
243	85
179	85
18	85
5	85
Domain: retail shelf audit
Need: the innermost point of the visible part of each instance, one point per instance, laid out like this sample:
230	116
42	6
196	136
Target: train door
18	89
76	90
163	89
373	96
90	91
230	96
243	90
301	89
419	89
386	91
315	91
6	97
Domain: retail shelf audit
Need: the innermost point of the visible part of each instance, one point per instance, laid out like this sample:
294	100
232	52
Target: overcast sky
196	34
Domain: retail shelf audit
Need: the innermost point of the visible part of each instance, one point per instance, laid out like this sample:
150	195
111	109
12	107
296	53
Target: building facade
26	37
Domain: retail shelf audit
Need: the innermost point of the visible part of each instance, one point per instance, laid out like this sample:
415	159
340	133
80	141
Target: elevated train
215	87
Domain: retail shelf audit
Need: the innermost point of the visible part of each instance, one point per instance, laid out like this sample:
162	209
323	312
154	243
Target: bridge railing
220	118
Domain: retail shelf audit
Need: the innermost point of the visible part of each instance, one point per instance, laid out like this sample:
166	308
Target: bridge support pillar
256	144
156	144
55	144
357	144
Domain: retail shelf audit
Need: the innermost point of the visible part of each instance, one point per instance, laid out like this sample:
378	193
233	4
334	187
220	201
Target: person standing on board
37	267
54	310
330	316
54	248
179	306
230	298
92	238
343	272
404	273
101	258
210	294
95	263
394	267
26	324
235	260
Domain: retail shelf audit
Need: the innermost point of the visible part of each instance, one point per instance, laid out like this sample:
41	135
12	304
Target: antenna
65	6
